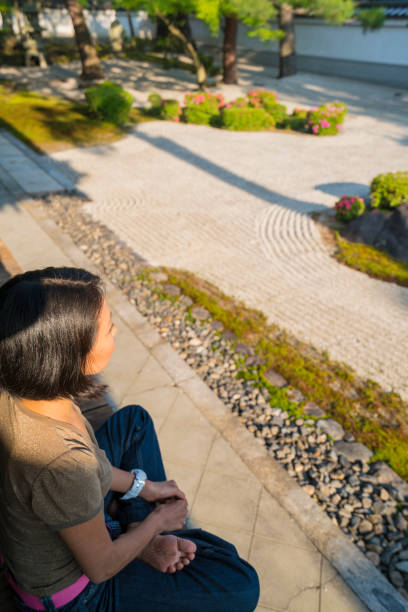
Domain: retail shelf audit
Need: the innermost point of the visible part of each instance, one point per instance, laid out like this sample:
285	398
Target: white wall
389	45
57	23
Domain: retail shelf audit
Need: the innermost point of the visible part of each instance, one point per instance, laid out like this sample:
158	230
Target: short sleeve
68	491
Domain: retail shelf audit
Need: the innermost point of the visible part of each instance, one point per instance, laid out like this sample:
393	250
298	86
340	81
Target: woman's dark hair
48	324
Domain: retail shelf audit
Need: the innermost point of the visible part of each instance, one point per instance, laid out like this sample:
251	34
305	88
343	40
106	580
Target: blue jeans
217	580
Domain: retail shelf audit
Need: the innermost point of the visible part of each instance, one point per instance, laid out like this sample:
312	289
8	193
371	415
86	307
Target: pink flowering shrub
326	119
165	109
349	208
202	107
262	98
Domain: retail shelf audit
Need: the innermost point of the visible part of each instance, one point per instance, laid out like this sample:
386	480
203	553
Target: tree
334	11
91	66
256	15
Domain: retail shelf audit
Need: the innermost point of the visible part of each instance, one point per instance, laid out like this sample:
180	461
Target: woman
89	522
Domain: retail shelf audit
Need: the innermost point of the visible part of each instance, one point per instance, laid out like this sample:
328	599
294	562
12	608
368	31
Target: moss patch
374	262
52	124
376	418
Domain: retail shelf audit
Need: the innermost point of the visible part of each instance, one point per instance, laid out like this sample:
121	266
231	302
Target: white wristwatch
137	486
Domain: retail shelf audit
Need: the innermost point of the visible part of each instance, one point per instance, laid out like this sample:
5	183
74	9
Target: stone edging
357	571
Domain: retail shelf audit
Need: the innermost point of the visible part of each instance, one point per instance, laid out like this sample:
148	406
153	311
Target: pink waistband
59	599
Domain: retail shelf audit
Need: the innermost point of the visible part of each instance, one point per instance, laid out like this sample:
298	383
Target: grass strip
376	418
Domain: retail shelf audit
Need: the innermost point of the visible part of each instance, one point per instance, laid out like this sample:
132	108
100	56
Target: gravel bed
367	501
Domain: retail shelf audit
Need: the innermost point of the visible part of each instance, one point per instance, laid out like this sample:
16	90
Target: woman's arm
101	558
152	491
121	480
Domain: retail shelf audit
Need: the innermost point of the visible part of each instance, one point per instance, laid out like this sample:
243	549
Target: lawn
51	124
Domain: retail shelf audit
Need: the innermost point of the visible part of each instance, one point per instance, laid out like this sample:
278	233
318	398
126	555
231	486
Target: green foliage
335	11
327	119
202	107
167	109
349	208
297	121
389	190
246	119
260	98
110	102
372	18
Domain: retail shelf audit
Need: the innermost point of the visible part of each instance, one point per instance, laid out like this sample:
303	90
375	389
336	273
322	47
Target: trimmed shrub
202	107
349	208
389	190
326	119
246	119
298	120
167	109
110	102
260	98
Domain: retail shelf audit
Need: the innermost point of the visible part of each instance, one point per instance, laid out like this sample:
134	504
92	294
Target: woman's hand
161	491
171	514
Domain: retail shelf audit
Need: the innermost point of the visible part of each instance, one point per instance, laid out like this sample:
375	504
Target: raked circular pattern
235	209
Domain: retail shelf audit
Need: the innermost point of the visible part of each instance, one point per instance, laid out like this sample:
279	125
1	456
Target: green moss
376	418
374	262
50	124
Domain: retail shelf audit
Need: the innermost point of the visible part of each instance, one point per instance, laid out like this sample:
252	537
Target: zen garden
238	172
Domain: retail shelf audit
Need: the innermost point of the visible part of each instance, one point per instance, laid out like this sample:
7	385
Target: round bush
246	119
349	208
202	108
260	98
326	119
110	102
389	190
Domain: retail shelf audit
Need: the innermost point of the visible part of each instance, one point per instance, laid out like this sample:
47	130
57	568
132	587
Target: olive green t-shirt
51	477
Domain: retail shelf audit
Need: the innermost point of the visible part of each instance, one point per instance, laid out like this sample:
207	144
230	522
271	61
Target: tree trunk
131	28
229	55
287	44
201	72
91	67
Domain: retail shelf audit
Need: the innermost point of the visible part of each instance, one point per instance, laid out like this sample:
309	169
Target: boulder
365	228
394	236
383	230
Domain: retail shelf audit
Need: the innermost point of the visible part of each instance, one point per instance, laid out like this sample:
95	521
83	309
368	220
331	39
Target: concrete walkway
235	207
205	449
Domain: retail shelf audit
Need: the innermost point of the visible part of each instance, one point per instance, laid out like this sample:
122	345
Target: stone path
201	453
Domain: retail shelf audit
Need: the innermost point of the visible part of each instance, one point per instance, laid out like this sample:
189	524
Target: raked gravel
367	501
234	208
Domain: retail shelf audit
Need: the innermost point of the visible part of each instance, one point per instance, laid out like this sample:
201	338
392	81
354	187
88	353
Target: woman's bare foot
168	553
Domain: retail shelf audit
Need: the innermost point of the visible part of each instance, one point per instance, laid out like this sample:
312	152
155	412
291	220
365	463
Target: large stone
331	427
275	379
394	236
365	228
353	451
312	409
